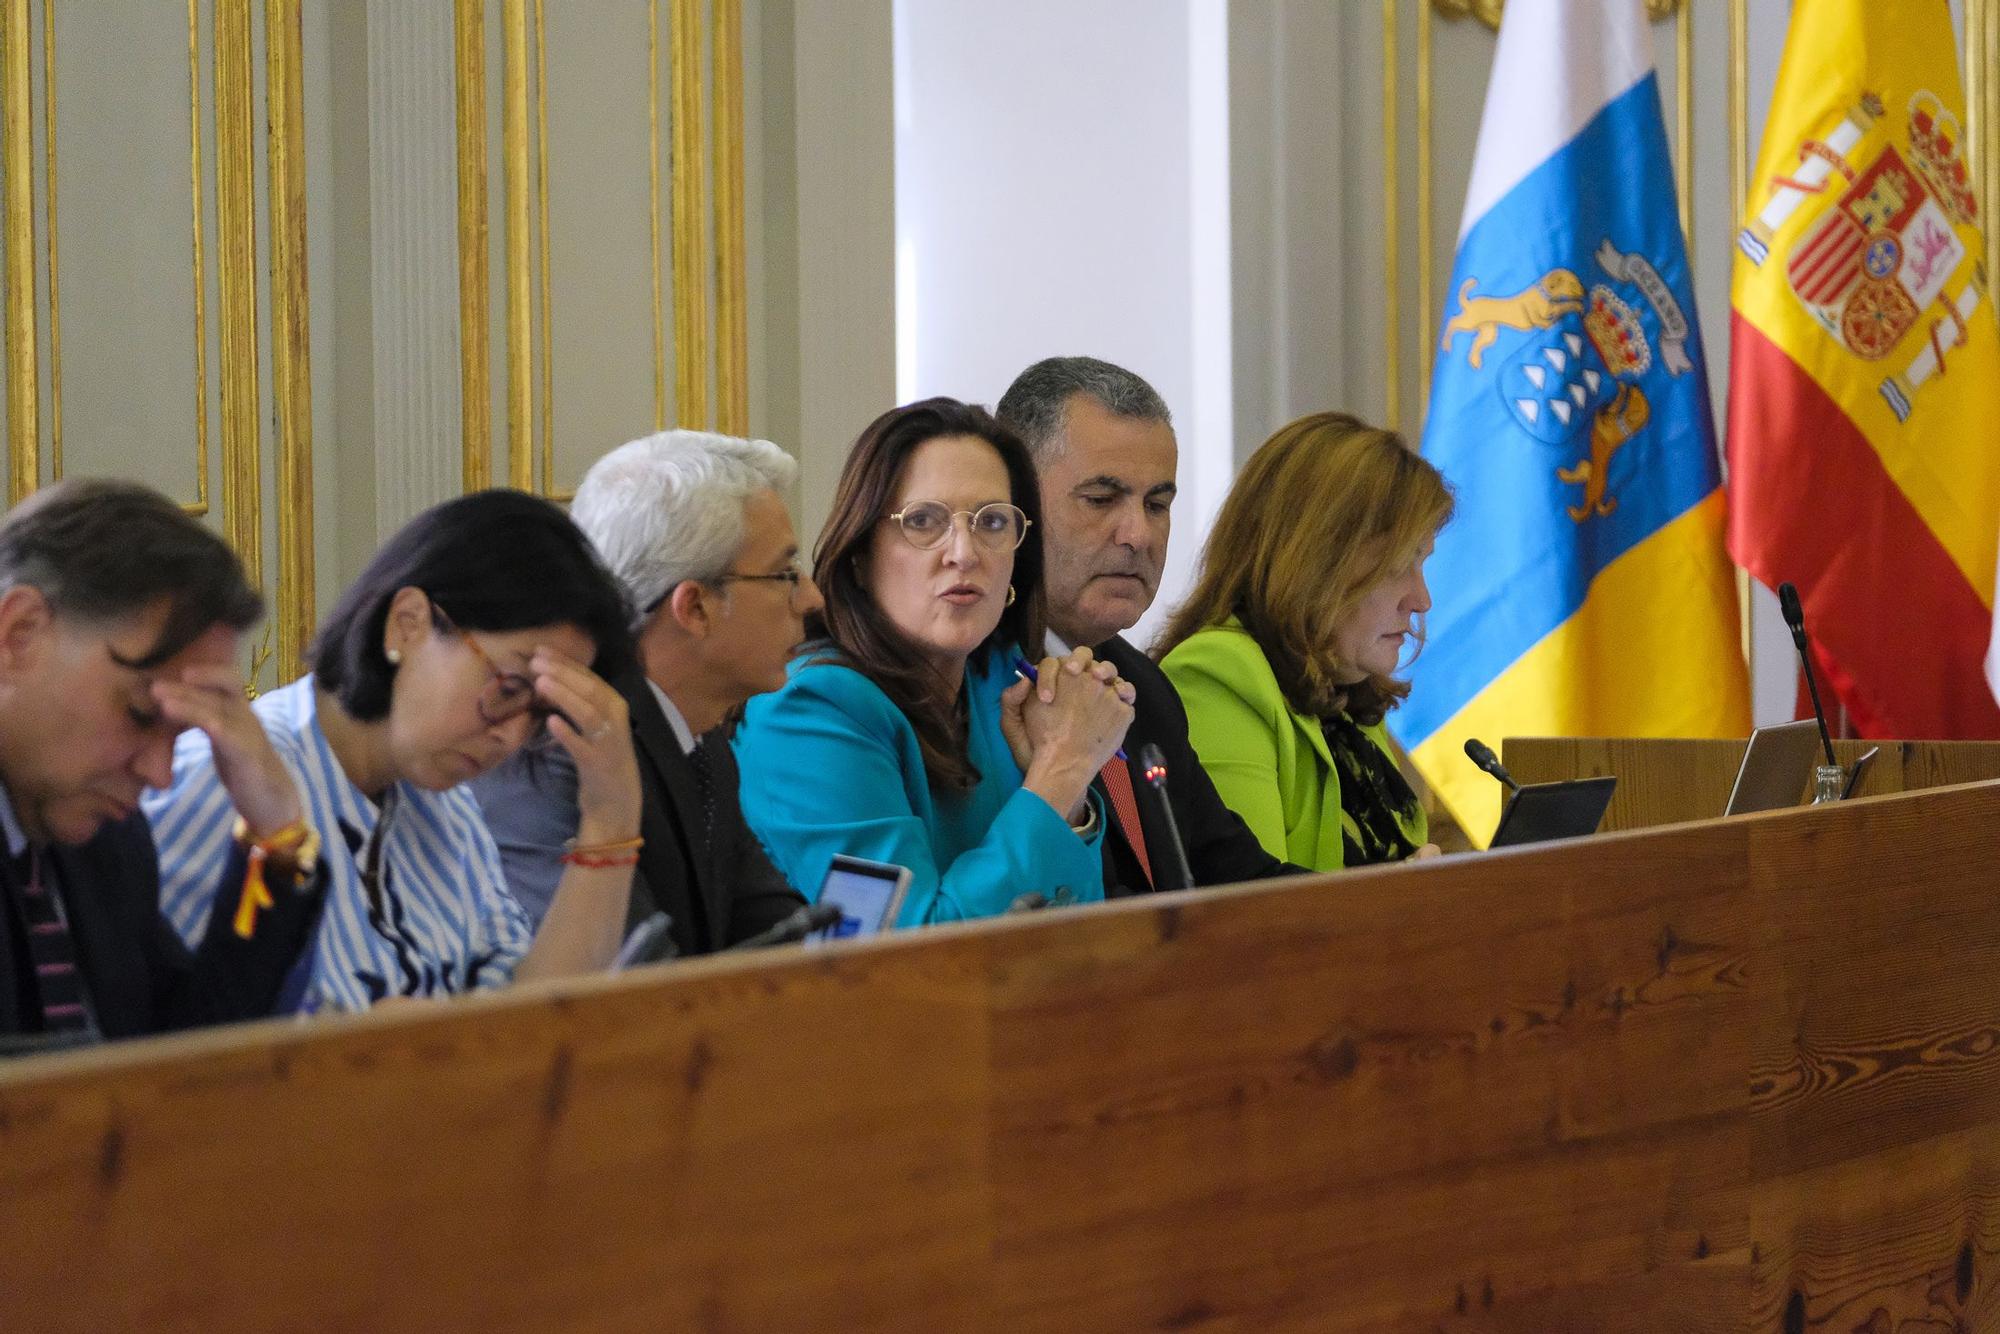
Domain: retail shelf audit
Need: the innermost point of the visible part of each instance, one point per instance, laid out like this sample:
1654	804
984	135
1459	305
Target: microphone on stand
1155	774
803	922
1795	618
1482	755
648	943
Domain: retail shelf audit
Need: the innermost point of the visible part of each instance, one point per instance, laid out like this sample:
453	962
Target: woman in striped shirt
466	638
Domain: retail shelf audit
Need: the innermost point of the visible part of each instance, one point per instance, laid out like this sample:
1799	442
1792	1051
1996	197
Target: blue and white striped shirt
444	921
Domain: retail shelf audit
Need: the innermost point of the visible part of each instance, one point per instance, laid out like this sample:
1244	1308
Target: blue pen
1026	671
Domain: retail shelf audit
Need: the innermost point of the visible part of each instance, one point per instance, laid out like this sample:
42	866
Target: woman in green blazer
1285	653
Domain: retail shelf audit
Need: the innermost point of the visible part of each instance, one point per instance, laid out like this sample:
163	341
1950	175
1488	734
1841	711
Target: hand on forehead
137	641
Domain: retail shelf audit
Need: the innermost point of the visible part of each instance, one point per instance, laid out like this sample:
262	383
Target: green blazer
1270	763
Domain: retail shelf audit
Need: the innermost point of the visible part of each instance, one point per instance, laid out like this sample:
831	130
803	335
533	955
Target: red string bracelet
599	861
603	856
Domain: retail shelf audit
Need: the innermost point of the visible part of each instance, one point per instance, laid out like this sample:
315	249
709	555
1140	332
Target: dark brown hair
102	550
854	625
1325	509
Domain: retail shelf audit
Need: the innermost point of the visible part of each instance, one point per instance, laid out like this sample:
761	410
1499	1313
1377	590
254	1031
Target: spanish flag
1864	386
1582	587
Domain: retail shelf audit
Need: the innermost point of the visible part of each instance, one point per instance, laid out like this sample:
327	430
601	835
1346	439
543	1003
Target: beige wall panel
125	245
21	374
496	239
844	152
771	215
1362	346
1285	221
1461	61
600	238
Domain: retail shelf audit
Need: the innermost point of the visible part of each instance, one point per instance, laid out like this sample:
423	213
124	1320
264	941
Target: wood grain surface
1673	780
1725	1076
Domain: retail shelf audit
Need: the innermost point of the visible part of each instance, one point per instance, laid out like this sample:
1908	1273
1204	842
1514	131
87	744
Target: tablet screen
865	892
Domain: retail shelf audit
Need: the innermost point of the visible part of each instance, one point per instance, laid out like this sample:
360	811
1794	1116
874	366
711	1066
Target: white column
413	235
1062	187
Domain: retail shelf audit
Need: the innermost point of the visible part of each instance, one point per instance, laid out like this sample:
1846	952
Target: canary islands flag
1582	588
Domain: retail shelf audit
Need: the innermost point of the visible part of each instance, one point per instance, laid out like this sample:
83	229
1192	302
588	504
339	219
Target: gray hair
1036	405
669	507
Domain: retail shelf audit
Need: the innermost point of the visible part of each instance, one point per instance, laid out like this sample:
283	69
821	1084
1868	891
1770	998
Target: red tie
1125	805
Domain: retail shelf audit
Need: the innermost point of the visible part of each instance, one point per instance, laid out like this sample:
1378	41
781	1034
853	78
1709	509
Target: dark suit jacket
1221	850
715	892
140	977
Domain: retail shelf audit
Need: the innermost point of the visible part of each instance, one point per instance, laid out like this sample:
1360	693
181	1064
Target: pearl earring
394	655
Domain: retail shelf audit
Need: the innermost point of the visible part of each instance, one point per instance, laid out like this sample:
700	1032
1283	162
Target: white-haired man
694	527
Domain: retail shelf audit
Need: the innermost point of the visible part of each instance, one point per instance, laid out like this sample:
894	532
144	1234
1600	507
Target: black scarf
1373	793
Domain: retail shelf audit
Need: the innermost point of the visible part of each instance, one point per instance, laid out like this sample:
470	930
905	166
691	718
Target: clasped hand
1066	724
259	786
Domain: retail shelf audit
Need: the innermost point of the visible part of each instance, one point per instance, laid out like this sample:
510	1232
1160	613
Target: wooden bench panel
1672	780
1737	1075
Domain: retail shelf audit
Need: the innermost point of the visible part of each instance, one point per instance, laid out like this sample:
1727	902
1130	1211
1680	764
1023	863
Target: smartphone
868	894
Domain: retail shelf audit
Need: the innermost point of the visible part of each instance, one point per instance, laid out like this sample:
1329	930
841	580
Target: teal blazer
830	765
1269	762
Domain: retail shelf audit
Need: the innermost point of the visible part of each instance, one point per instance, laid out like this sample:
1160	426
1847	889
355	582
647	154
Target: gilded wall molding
200	505
1489	11
291	327
514	158
1684	114
17	222
1427	316
679	222
690	225
49	231
653	213
1982	95
236	271
1739	108
732	300
233	49
547	296
1392	258
474	334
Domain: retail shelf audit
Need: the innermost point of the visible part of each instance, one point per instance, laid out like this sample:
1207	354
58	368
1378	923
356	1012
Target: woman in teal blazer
1285	653
905	733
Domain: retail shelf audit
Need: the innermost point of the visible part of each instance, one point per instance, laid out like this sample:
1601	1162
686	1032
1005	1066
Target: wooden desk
1673	780
1737	1075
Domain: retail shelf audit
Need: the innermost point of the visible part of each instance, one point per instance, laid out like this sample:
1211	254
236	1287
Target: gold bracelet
572	848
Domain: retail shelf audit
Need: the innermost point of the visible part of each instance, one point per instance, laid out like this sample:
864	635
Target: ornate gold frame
236	275
237	284
689	236
17	217
1489	11
474	272
1982	99
530	290
291	325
